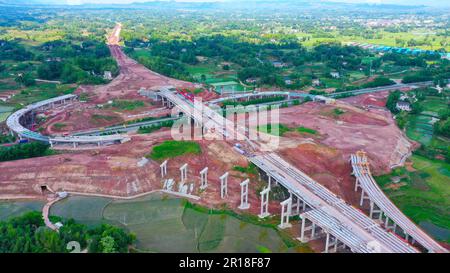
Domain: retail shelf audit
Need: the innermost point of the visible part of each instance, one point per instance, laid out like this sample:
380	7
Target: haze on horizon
396	2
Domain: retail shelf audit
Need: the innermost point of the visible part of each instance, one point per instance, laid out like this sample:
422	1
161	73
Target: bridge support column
272	180
264	203
373	210
297	206
286	207
302	231
163	167
224	185
313	230
304	228
363	197
204	178
327	243
183	171
336	243
244	195
356	184
387	226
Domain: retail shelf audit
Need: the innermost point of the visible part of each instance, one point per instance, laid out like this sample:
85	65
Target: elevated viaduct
18	121
343	225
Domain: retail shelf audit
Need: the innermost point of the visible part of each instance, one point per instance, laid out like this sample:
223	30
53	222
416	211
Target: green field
281	129
170	149
434	104
127	105
165	224
420	127
4	116
85	210
424	195
16	208
40	92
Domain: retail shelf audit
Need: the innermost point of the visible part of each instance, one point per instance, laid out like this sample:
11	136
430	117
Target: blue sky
403	2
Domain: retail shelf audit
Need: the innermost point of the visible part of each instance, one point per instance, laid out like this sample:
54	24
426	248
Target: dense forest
28	234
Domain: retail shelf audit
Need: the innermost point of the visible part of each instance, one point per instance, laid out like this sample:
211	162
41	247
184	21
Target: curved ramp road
14	122
369	187
343	221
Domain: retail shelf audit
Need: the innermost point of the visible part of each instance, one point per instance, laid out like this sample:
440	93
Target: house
278	64
288	81
403	106
335	75
323	99
225	87
403	97
316	82
251	80
107	75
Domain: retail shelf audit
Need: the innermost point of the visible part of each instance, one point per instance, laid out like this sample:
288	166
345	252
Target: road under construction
342	223
323	214
18	121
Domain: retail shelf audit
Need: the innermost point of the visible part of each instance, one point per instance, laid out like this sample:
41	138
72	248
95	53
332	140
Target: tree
50	70
108	244
25	79
442	127
392	100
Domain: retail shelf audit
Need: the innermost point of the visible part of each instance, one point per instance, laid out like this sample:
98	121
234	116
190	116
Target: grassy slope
170	149
281	129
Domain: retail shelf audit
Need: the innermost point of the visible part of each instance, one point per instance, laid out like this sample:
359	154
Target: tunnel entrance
44	189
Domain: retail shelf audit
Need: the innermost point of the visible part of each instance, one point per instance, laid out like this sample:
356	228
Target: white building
107	75
335	75
403	106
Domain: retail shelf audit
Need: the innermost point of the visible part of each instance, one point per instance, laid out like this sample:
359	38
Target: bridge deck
13	121
376	195
314	194
317	196
333	226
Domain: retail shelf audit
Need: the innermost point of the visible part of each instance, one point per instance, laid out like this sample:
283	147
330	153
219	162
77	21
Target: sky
400	2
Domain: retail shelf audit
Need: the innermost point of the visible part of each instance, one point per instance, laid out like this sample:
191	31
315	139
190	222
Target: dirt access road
133	76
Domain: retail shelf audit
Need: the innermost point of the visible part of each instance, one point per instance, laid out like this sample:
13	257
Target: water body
439	233
165	224
9	209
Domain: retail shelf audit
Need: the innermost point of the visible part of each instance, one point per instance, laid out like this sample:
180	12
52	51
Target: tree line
28	234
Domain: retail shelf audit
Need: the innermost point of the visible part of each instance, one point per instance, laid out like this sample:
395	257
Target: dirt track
133	76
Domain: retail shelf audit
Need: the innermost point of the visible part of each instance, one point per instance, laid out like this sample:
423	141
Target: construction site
307	178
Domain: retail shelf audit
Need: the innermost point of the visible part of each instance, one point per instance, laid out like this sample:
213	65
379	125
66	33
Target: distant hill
30	2
279	4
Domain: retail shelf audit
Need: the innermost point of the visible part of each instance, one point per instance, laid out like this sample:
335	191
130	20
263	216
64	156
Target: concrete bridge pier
264	203
183	171
244	195
286	210
204	178
163	167
375	209
224	185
